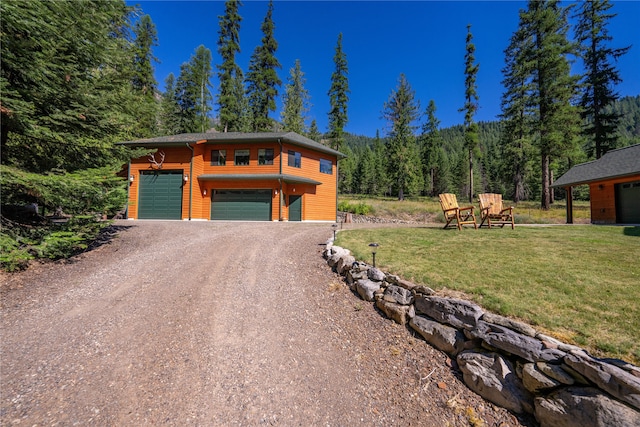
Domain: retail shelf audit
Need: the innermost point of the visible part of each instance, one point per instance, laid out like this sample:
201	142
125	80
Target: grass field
578	283
427	209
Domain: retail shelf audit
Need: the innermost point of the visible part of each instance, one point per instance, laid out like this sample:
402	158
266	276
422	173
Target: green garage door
243	205
628	202
160	195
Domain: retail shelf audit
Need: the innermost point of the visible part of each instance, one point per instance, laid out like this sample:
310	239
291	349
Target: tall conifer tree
193	91
554	86
169	108
401	111
517	111
431	146
338	97
470	105
296	101
600	76
143	79
228	70
262	78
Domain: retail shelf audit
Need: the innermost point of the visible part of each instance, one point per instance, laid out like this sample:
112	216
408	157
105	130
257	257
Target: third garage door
242	205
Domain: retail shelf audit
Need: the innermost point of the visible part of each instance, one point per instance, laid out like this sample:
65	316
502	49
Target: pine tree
228	70
262	78
243	112
193	93
296	101
143	81
517	111
600	76
314	132
381	181
554	86
65	84
169	108
338	97
402	111
431	146
470	106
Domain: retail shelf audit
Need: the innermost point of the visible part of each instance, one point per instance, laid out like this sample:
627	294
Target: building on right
614	186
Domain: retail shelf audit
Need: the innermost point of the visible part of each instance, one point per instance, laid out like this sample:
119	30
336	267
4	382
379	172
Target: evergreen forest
75	81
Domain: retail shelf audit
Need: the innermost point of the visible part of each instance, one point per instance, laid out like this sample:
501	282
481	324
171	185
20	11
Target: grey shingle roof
233	137
614	164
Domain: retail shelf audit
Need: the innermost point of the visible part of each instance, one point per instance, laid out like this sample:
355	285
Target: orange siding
318	202
251	168
603	200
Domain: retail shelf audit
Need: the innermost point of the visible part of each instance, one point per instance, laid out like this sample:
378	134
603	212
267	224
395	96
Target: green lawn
578	283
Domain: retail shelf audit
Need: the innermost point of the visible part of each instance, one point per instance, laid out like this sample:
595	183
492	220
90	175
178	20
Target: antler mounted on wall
154	163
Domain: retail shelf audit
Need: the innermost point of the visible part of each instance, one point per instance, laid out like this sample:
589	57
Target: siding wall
603	200
318	201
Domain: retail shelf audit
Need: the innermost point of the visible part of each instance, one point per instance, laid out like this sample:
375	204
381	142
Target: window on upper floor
326	166
294	159
265	156
241	158
218	157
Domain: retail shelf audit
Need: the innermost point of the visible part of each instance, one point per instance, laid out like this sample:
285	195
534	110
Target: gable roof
232	137
614	164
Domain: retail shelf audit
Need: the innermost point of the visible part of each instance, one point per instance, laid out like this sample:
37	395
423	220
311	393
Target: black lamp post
374	249
334	227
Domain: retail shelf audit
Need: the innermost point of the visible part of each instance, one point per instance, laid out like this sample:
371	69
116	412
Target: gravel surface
215	324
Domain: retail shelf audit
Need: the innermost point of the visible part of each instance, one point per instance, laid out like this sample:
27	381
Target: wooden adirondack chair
452	211
493	213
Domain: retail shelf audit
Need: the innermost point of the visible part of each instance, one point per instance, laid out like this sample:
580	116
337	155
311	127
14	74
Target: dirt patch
222	324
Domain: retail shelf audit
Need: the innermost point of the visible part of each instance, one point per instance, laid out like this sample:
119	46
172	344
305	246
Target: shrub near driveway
578	283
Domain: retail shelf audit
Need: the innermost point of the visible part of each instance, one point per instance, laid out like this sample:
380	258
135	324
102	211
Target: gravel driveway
215	324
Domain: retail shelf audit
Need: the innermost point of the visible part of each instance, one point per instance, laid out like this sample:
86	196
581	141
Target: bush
20	244
358	209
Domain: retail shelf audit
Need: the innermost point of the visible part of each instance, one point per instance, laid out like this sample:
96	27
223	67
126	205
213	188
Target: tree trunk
552	193
470	176
545	182
433	184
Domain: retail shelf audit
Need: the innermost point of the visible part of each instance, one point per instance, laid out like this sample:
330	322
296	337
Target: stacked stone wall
507	362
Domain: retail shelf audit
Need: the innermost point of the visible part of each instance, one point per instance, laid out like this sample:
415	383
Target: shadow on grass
631	231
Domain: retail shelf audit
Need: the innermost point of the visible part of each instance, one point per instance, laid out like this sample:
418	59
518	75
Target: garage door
243	205
160	195
628	202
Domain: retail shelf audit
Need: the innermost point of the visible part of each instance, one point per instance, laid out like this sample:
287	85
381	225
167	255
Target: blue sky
425	40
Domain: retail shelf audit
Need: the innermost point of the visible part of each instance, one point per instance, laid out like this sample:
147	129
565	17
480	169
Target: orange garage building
233	176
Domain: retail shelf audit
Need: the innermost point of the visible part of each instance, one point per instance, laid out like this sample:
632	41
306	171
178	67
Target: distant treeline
364	170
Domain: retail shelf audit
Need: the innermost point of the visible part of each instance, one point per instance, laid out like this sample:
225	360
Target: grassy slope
577	283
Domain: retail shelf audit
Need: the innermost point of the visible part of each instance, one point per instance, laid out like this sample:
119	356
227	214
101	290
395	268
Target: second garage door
242	205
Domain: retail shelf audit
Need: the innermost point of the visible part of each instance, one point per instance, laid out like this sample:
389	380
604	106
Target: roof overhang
289	179
565	184
183	139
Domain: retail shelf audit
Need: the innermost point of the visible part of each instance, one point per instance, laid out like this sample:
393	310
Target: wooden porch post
569	191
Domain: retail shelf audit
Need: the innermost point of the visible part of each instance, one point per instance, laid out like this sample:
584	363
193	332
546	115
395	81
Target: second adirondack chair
451	211
493	213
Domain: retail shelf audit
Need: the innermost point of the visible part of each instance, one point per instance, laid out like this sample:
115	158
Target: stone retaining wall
507	362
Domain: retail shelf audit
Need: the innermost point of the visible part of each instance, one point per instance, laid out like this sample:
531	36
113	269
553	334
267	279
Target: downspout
280	181
126	208
337	173
190	180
